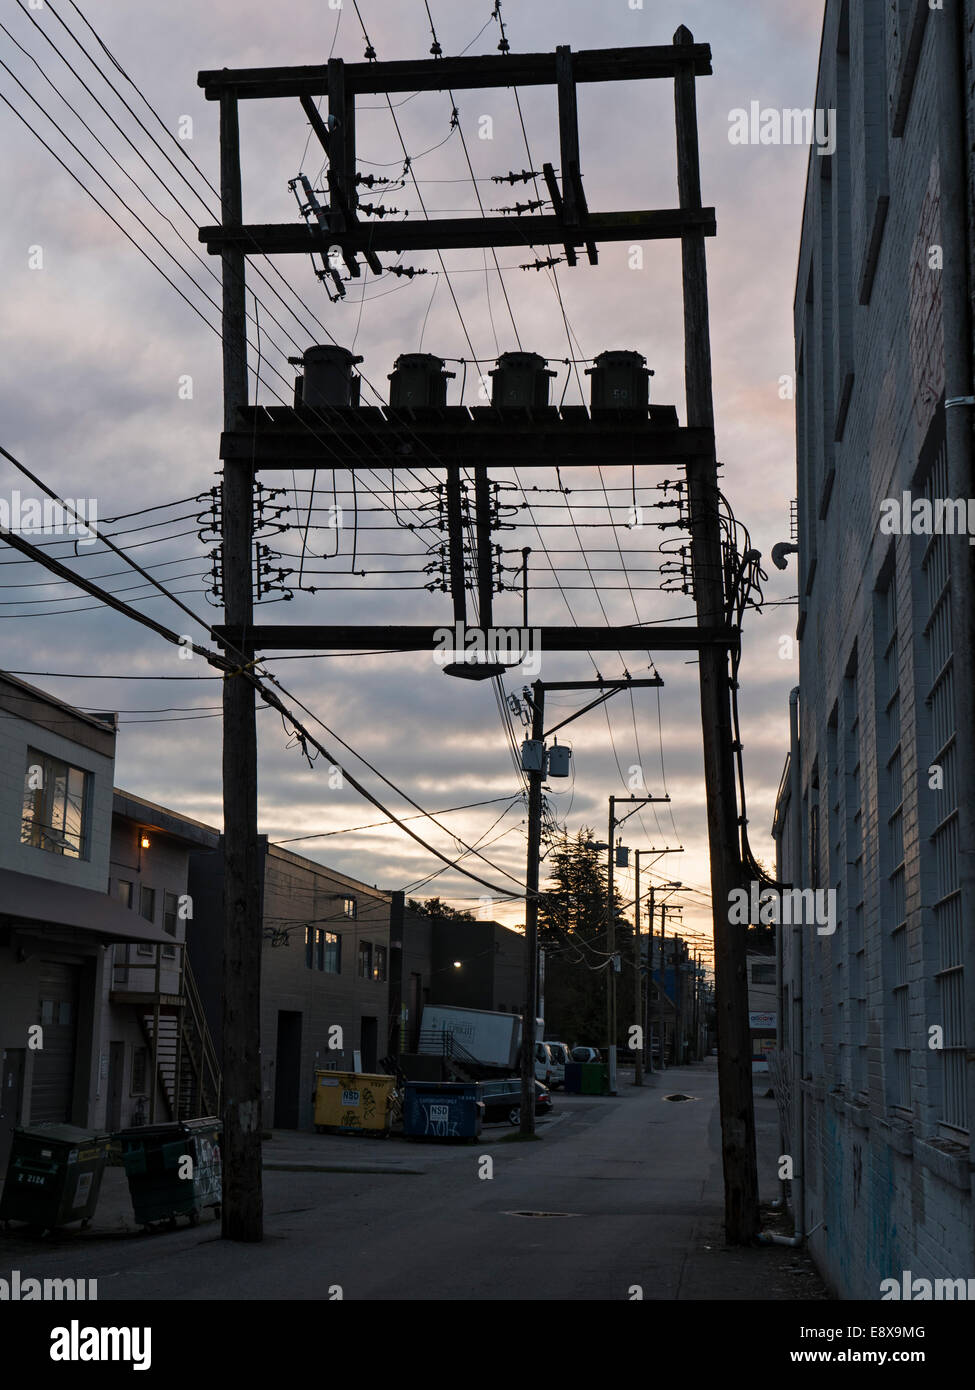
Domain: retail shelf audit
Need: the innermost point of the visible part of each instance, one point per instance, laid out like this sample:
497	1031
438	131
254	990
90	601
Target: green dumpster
173	1169
595	1079
53	1176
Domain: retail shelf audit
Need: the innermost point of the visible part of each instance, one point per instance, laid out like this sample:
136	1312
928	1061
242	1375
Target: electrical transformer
533	755
620	381
558	760
329	379
520	381
418	379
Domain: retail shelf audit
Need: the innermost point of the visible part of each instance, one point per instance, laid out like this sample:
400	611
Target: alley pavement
620	1198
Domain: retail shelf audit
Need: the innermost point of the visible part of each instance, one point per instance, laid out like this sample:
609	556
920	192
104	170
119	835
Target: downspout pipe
798	1136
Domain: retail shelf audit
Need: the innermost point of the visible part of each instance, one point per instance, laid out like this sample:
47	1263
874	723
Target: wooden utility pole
661	997
649	985
242	1205
611	948
734	1053
637	979
535	780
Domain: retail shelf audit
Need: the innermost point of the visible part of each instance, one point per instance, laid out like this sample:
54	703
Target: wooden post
611	948
661	997
397	952
637	978
455	543
734	1054
485	555
568	133
242	1206
535	780
649	1034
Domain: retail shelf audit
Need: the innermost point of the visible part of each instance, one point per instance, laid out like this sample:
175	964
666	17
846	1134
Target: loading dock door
12	1061
52	1089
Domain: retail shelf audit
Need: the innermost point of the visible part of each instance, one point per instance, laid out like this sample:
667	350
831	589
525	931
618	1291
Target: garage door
54	1063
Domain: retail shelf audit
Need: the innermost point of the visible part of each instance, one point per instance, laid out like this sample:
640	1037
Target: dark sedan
502	1099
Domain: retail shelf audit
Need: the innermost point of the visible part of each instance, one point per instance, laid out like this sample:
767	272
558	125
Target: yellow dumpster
353	1102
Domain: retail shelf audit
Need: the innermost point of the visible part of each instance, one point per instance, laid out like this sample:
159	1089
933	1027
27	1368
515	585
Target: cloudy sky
110	389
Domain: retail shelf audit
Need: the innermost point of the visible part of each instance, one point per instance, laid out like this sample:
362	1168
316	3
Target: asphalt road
620	1198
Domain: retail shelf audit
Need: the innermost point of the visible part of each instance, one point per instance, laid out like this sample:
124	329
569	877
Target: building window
170	920
333	953
123	891
55	813
140	1071
379	964
365	960
350	907
309	947
147	909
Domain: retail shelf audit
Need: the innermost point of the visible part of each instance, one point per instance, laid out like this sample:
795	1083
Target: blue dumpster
573	1078
442	1110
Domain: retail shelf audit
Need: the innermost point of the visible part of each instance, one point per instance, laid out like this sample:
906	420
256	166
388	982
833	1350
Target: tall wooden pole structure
731	983
292	439
242	1206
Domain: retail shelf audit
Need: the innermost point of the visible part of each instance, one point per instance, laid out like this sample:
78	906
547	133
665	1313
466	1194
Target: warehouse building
875	806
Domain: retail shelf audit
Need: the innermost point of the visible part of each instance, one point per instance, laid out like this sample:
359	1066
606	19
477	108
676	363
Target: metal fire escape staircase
183	1059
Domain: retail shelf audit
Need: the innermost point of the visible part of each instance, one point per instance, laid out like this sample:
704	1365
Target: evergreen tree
572	930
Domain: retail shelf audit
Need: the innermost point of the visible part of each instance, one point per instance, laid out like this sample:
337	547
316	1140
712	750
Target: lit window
333	953
379	964
349	907
55	812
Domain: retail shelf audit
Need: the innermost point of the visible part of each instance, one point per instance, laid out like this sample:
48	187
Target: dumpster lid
63	1134
172	1129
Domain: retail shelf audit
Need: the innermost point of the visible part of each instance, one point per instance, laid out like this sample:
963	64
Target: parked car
502	1099
586	1054
559	1055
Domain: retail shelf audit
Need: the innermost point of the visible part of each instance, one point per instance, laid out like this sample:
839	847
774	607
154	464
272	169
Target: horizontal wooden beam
481	72
454	233
283	437
337	636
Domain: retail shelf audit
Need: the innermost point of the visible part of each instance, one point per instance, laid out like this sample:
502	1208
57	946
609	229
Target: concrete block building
876	805
59	923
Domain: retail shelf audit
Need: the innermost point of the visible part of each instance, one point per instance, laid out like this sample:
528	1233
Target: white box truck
490	1038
